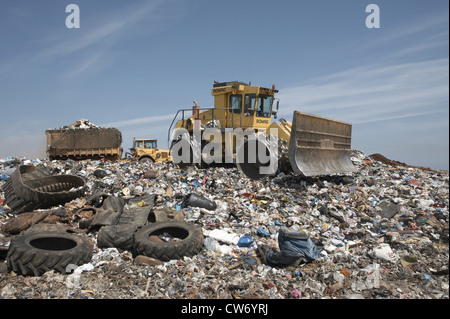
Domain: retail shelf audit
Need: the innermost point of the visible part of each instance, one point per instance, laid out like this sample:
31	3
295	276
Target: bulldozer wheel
35	253
187	240
253	168
146	159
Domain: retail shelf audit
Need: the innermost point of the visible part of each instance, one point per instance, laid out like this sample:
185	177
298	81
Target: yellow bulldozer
239	129
146	150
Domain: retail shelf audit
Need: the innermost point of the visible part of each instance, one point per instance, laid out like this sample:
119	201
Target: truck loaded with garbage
84	140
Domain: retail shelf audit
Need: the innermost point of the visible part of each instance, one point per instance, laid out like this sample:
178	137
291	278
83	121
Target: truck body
84	142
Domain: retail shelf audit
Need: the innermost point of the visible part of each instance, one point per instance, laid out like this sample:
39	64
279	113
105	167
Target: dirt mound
381	158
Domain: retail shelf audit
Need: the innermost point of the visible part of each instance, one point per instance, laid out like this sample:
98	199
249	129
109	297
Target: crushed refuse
157	231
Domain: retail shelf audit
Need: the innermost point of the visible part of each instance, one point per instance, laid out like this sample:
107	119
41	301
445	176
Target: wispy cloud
374	93
88	46
141	120
427	27
90	62
109	30
144	127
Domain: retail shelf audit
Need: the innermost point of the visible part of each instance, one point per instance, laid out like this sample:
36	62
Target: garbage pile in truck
83	140
153	230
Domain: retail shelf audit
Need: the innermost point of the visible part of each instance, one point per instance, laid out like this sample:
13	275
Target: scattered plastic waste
295	247
380	233
385	252
245	241
223	236
194	200
295	294
262	232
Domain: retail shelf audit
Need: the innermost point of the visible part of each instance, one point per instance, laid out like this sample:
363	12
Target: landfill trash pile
80	124
379	233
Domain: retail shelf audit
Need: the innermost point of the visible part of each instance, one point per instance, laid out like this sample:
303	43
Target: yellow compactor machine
241	119
146	150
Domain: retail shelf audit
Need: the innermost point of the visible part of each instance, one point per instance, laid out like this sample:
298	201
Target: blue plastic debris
245	241
262	232
427	276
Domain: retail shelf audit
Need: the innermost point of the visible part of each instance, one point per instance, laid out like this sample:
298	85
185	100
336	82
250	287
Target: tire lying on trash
186	240
118	236
35	253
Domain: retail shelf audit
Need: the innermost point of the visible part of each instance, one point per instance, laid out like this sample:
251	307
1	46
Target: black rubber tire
190	243
118	236
32	187
36	253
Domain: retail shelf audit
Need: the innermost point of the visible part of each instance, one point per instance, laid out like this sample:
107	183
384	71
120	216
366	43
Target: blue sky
133	64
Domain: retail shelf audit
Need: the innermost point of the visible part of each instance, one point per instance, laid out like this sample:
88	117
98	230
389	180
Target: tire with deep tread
119	236
35	253
189	244
32	187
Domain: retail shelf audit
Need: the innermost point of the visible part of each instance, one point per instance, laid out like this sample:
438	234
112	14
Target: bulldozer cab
243	105
145	144
236	105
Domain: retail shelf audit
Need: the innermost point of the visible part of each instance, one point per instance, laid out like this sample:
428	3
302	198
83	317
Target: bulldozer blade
320	146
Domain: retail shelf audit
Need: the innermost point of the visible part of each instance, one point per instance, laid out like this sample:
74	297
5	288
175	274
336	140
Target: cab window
264	108
249	104
150	144
139	144
235	103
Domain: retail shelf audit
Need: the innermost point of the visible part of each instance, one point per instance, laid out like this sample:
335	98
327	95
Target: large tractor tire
187	240
35	253
34	187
